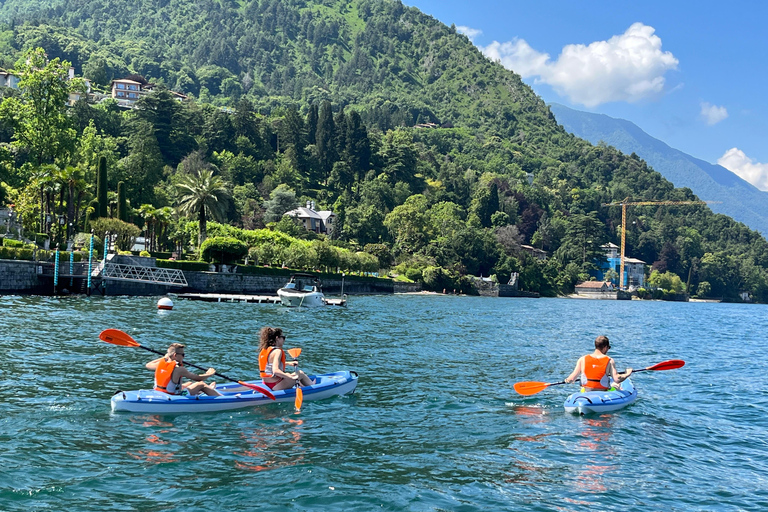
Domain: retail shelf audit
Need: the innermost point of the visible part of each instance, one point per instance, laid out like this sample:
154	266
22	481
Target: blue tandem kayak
601	401
234	396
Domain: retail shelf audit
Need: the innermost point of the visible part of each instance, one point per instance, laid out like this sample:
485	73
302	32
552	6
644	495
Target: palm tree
43	179
148	212
72	179
164	216
203	194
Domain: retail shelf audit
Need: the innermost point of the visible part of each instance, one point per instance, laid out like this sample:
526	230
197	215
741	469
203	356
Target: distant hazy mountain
740	200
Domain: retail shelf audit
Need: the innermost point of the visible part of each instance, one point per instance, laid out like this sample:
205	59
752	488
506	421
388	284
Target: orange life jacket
594	376
265	367
163	374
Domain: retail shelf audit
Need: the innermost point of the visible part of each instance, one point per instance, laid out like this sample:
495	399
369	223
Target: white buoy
165	303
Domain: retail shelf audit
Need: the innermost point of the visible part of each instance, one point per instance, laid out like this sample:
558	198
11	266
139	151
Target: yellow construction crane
624	205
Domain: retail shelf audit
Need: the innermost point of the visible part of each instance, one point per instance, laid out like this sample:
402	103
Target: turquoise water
435	424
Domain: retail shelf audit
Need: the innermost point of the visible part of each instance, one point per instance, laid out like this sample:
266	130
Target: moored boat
601	401
302	290
234	396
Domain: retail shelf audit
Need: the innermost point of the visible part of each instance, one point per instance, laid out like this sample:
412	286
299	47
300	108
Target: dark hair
601	343
268	337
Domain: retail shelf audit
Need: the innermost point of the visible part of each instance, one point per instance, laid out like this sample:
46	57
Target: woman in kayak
596	369
169	370
272	362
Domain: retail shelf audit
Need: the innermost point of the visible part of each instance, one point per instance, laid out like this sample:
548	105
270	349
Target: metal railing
119	272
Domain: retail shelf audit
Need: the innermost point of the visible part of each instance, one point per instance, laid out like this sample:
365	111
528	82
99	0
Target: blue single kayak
601	401
234	396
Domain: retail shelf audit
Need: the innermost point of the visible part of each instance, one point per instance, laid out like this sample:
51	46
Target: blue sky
692	74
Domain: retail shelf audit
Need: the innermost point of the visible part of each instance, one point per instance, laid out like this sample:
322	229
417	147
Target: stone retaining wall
22	277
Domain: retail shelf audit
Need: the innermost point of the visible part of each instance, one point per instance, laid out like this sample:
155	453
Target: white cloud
628	67
740	164
713	114
470	32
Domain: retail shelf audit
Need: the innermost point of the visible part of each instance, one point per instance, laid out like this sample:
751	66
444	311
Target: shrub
414	274
223	249
8	242
145	254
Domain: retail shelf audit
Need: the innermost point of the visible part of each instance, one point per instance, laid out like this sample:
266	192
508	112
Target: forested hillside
321	101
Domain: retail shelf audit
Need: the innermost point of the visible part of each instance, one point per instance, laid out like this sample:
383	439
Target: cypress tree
122	210
312	119
340	125
101	188
358	146
325	139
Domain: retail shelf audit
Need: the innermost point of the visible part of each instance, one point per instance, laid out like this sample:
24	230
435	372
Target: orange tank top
265	367
594	373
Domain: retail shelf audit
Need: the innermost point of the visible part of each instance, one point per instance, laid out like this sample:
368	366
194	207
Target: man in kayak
272	362
169	370
596	369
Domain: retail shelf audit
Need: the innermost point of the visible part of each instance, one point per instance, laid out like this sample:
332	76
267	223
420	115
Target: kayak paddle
531	388
294	353
123	339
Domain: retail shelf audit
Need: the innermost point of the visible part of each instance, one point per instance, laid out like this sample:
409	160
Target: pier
228	297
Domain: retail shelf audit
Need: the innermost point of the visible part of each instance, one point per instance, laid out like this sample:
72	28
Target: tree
122	208
409	224
101	188
325	139
203	195
170	127
143	166
39	115
667	281
281	200
223	249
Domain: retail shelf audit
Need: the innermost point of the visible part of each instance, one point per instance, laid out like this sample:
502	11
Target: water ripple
435	424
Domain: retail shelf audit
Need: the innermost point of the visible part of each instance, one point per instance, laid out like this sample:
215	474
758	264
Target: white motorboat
303	290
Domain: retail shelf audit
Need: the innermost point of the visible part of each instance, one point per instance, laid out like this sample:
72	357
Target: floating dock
227	297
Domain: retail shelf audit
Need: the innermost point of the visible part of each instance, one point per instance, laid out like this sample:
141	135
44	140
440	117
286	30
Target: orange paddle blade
294	352
530	388
260	389
299	398
118	337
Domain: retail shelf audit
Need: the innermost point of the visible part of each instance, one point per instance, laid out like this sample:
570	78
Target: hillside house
8	79
76	96
539	254
634	269
594	287
321	222
127	92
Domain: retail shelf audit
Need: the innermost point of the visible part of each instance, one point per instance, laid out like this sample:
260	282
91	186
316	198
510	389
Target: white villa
321	222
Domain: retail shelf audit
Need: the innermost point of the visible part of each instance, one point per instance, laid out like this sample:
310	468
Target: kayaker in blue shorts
596	369
169	371
272	362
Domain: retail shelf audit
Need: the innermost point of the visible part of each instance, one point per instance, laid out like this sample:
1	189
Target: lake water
435	424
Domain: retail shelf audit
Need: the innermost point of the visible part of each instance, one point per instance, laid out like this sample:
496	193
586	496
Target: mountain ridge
739	199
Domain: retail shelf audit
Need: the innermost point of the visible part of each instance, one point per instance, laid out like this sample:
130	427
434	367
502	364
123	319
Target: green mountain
323	101
738	198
